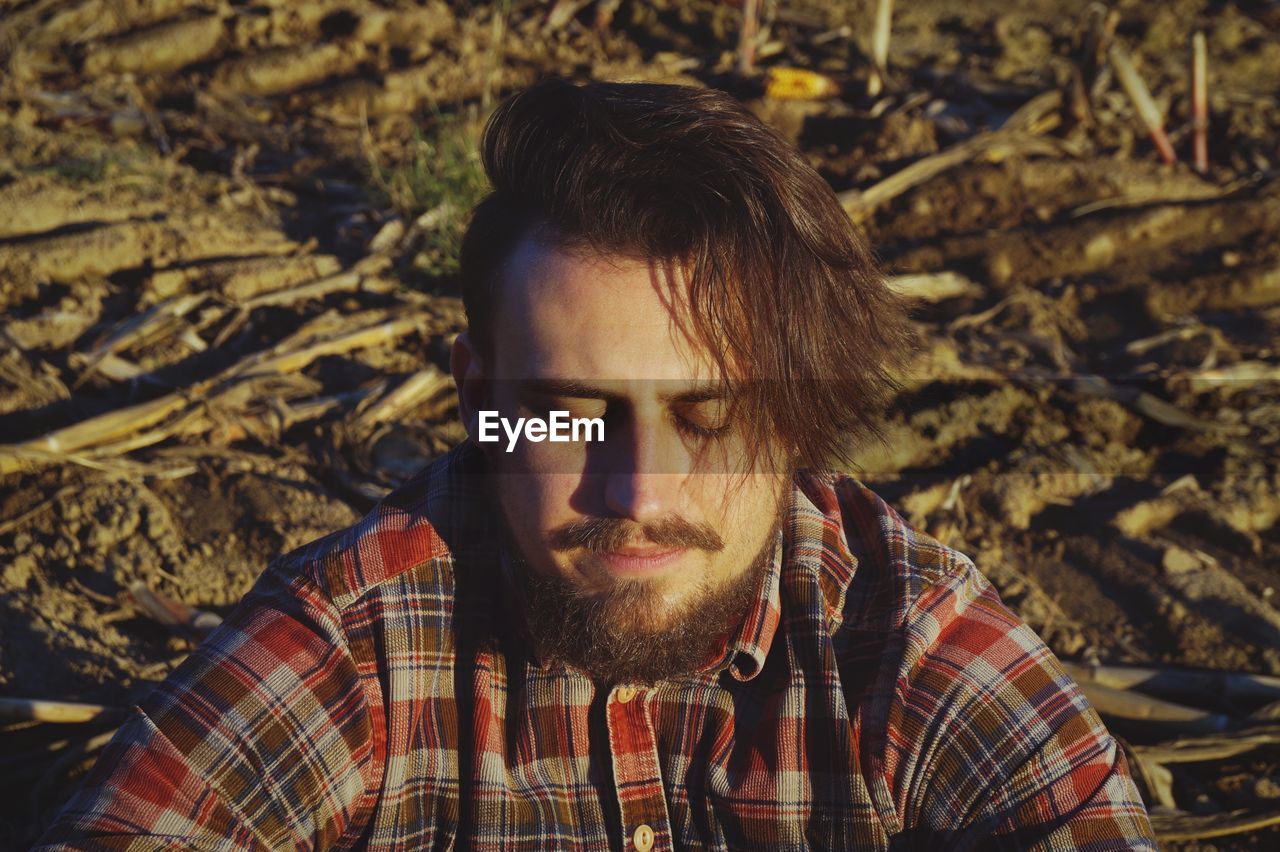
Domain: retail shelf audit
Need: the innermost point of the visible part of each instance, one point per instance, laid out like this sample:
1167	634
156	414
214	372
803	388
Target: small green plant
79	170
436	185
90	166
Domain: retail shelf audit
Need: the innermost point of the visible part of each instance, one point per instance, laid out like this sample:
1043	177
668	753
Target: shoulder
939	616
926	639
957	695
970	729
422	523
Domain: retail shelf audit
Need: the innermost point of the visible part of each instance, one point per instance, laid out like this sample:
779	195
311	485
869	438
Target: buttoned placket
637	774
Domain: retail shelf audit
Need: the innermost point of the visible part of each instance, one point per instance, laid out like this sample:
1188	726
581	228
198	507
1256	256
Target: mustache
605	535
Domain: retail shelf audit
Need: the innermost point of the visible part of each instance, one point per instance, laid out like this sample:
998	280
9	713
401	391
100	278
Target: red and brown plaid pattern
373	691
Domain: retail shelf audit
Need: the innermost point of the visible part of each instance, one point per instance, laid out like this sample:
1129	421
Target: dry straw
1200	101
1138	93
880	47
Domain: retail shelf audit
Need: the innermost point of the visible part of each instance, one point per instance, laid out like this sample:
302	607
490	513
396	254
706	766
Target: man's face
653	525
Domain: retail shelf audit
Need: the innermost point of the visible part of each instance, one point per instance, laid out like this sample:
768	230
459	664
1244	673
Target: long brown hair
782	289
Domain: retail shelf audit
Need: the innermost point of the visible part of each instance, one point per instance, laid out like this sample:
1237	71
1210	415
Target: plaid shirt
372	692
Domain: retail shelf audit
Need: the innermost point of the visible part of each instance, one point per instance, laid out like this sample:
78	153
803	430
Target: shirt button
643	838
624	695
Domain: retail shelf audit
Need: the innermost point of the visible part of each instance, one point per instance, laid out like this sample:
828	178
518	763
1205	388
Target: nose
644	484
642	497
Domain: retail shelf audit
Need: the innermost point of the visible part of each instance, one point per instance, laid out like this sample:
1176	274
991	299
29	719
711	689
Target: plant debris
228	237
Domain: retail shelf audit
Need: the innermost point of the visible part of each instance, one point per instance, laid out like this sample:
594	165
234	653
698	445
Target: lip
639	561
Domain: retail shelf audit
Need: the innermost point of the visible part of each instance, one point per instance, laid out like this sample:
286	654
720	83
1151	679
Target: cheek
750	511
537	502
735	504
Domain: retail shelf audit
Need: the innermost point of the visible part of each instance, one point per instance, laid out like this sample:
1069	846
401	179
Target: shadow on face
667	503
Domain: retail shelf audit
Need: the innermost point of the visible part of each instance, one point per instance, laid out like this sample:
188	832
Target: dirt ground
226	298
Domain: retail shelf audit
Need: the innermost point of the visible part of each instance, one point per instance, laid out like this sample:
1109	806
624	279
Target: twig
1039	115
562	12
1154	779
1153	712
498	25
305	292
880	47
933	287
747	36
995	145
1180	683
1100	30
72	761
1239	376
103	429
1200	101
155	323
173	614
1151	406
1163	196
58	712
288	359
1181	825
1142	102
396	405
14	523
97	597
1210	748
119	431
605	10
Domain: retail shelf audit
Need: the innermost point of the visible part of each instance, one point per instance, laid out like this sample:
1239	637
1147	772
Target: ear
468	374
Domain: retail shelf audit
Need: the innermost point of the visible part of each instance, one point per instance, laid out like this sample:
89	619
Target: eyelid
717	410
688	427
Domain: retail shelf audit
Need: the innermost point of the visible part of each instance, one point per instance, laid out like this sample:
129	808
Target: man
675	632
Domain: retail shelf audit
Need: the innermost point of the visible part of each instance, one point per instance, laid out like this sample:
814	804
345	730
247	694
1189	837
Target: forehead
577	315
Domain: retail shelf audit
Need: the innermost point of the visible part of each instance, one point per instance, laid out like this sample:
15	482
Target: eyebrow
565	387
704	392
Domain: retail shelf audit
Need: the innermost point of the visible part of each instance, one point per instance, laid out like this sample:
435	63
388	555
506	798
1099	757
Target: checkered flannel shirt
371	691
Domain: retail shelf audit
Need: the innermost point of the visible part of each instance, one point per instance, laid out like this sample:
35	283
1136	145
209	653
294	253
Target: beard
628	633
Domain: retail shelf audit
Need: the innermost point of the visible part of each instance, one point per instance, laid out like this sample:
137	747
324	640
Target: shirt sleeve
992	744
261	739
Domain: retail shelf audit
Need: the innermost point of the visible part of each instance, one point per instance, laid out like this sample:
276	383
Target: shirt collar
817	547
811	548
744	650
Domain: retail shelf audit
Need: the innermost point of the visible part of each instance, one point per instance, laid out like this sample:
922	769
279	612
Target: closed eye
696	431
693	428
